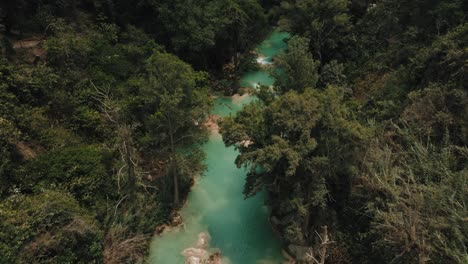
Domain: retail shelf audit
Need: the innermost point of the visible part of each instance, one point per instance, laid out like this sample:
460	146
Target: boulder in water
199	253
202	253
203	240
215	258
160	229
193	260
176	219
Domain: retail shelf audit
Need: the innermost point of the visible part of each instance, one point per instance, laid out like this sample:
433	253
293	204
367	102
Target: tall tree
299	146
325	23
179	102
298	69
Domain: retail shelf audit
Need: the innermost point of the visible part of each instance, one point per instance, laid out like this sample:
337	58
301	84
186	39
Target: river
239	228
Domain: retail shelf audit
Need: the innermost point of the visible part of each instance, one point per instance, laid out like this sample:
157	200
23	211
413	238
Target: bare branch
322	252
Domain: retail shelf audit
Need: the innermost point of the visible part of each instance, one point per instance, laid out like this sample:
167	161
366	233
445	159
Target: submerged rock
215	259
176	219
203	240
202	253
211	123
195	253
193	260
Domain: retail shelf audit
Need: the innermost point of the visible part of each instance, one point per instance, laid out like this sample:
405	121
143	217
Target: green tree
332	73
298	69
179	104
191	25
325	23
300	146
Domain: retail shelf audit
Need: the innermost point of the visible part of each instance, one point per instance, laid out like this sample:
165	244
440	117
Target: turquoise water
269	49
224	106
239	228
254	79
273	45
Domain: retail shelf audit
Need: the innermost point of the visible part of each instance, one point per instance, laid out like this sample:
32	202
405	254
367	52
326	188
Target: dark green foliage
298	69
7	134
196	28
325	23
176	103
378	151
81	171
99	113
301	147
365	131
49	227
333	73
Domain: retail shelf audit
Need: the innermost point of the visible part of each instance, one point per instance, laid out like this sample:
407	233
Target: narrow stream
238	228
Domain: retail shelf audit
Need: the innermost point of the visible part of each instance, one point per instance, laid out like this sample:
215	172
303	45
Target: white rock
193	260
195	252
203	240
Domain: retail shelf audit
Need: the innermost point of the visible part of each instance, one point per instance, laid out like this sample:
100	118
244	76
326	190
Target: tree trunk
174	171
176	185
306	223
130	170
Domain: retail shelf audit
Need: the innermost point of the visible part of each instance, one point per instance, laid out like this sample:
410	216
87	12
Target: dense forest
96	99
361	144
363	139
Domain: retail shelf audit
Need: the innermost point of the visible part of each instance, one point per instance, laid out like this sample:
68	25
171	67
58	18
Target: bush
83	171
49	227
